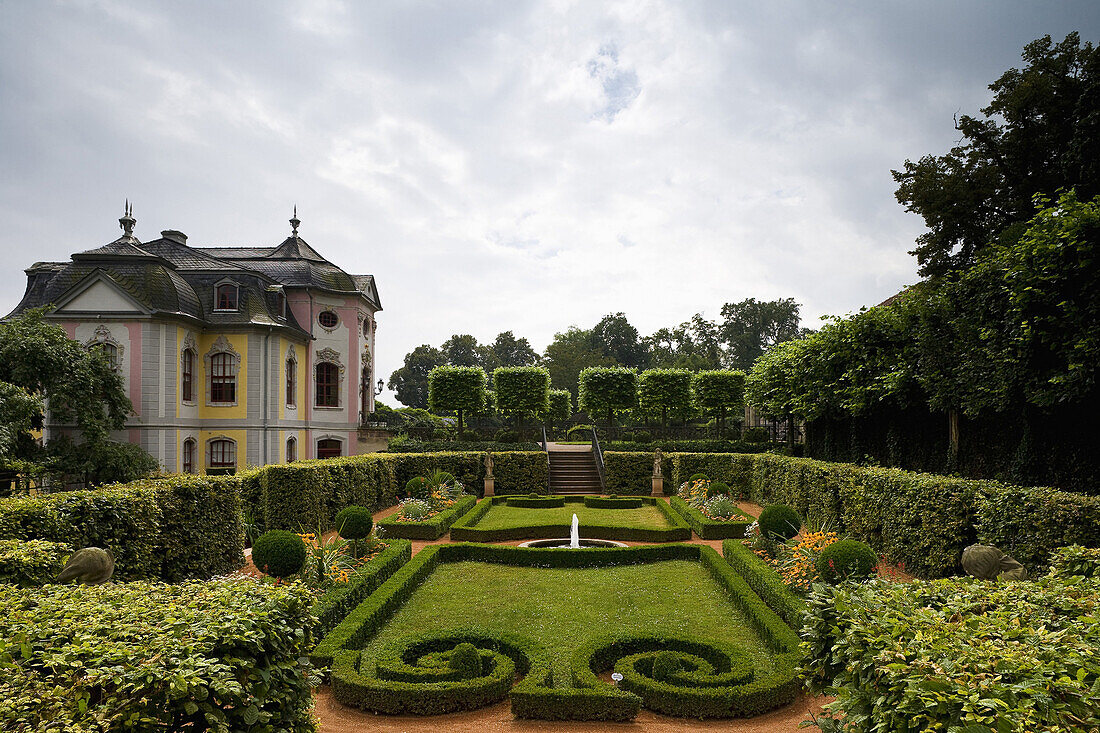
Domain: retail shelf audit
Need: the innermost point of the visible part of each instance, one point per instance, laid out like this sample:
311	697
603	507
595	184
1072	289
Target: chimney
175	236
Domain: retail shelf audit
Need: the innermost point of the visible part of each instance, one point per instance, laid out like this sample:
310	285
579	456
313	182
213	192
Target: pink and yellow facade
231	356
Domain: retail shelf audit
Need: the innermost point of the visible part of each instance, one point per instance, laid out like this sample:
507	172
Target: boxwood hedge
540	502
204	655
339	600
707	528
428	529
31	563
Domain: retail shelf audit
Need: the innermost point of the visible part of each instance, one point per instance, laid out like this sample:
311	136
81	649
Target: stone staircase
574	472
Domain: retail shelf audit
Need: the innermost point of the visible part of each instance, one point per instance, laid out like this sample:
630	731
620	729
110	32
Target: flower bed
432	527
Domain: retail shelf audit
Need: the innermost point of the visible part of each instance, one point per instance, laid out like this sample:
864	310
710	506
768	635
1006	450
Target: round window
328	319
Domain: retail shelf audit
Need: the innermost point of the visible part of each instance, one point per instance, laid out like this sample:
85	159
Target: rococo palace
232	356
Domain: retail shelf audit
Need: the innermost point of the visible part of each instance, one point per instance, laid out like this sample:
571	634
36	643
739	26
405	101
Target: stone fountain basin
564	543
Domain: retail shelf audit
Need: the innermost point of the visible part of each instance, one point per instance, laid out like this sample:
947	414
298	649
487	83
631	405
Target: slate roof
166	276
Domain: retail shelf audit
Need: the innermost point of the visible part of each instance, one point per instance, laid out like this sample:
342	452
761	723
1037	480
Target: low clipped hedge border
542	502
765	582
707	528
429	529
541	695
218	655
171	528
338	602
434	446
31	563
604	502
920	520
466	529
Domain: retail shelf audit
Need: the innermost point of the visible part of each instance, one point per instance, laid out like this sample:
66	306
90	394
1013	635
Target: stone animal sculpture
988	563
90	566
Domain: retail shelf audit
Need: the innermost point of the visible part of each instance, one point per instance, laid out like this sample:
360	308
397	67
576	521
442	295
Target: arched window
223	455
291	450
223	379
328	385
329	448
188	456
187	375
225	297
291	382
109	351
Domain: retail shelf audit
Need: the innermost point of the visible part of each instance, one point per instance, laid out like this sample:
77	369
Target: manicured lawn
502	516
564	607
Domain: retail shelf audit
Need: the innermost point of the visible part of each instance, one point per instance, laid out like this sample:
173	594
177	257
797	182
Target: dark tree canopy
751	327
1039	134
462	350
410	382
569	354
512	351
619	341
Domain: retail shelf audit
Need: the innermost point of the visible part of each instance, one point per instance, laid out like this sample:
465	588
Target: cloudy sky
508	165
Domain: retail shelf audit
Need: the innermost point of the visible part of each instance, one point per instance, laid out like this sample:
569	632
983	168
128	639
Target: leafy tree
608	389
569	354
751	327
456	388
665	389
462	350
40	363
693	345
522	390
719	390
1039	134
561	406
410	382
618	340
510	351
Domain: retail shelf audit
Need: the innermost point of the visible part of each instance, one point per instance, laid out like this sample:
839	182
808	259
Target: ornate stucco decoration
102	336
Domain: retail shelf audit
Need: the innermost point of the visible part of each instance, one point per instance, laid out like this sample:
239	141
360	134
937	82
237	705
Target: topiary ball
466	660
718	488
354	522
417	488
665	664
846	560
697	477
779	520
279	553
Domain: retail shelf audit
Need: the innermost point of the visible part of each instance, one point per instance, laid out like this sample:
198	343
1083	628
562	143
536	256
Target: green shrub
417	488
534	501
279	553
466	445
214	655
723	507
431	528
956	654
466	661
846	560
697	477
717	488
31	563
632	473
756	435
1075	561
779	520
665	663
354	522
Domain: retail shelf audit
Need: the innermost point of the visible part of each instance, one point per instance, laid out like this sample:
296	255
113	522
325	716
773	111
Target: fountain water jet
575	534
574	542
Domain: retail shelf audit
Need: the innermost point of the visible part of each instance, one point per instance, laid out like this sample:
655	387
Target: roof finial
127	221
294	223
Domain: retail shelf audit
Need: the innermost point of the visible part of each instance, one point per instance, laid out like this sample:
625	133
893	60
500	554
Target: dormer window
280	304
225	297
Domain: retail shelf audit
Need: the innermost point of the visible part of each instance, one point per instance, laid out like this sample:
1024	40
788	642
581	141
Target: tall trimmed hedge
719	390
522	390
218	656
921	520
661	390
602	390
168	528
461	389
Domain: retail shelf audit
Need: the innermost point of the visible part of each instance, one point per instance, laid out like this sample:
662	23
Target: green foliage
457	388
605	389
719	390
31	563
718	488
220	656
765	582
632	473
955	655
20	412
570	353
341	598
522	390
425	528
661	390
779	521
688	446
722	507
697	477
665	663
751	327
603	502
279	553
846	560
410	382
561	405
354	522
466	661
708	528
1032	523
403	444
417	488
1075	562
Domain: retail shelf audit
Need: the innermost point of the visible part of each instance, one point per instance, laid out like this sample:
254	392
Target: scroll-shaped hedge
603	502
